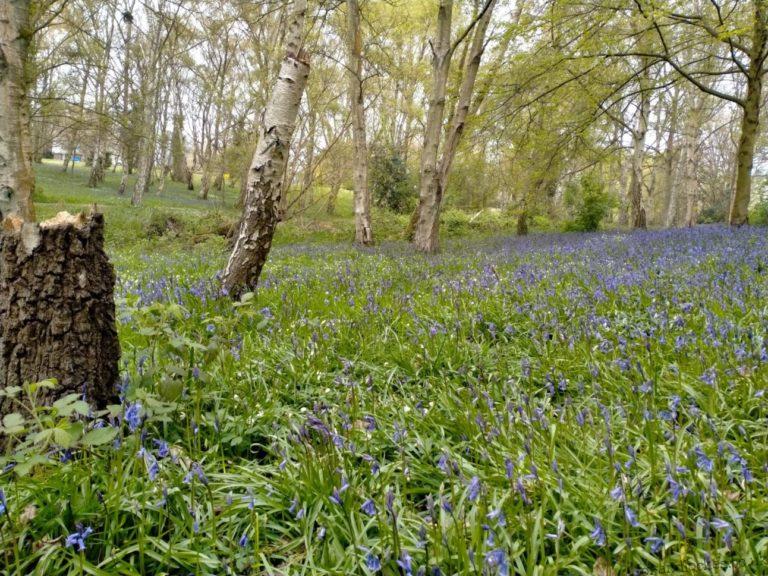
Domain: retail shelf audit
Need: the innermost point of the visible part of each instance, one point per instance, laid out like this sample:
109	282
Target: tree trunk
426	230
17	181
670	197
362	195
690	184
434	175
750	124
265	181
637	211
333	196
57	310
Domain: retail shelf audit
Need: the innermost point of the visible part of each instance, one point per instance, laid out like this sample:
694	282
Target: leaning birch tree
17	180
264	189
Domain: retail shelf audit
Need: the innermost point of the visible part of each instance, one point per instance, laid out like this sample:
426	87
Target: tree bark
265	181
637	211
434	169
670	198
362	195
690	184
57	310
750	124
17	180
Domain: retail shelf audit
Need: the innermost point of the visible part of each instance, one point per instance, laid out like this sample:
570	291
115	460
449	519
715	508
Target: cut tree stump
57	308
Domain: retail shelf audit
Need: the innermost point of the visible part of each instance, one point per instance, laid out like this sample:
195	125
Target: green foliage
759	215
391	185
590	204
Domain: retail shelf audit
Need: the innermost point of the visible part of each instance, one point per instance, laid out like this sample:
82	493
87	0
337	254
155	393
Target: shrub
759	216
390	183
590	202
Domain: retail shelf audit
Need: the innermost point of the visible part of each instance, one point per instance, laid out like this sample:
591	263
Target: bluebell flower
405	562
703	462
243	542
496	560
369	507
631	517
133	416
656	544
598	534
372	562
3	503
473	490
195	471
320	533
163	451
77	538
498	515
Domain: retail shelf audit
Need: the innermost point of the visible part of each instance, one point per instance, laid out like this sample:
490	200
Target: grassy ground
562	404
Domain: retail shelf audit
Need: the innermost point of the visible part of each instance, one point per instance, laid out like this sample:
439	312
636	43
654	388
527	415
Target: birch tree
362	194
265	180
435	168
17	180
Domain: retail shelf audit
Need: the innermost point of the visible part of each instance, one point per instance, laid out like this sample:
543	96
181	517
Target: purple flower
133	416
656	544
77	538
3	503
598	534
406	563
243	542
369	507
496	560
372	562
631	517
473	490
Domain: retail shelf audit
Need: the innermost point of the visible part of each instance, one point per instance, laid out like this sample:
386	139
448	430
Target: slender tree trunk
333	196
637	211
17	180
670	197
265	183
125	132
362	195
690	183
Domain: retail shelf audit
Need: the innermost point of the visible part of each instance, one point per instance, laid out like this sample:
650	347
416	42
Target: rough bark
435	169
362	195
750	124
266	177
57	310
17	180
427	219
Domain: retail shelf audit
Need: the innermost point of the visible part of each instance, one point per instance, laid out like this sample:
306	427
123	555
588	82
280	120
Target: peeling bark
265	181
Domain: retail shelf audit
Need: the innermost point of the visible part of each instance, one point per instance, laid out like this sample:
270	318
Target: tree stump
57	308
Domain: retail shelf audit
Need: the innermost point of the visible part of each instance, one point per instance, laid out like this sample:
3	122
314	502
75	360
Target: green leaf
100	436
24	468
13	423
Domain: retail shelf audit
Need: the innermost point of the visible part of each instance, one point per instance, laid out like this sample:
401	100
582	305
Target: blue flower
243	542
703	462
598	534
631	517
77	538
372	562
162	449
406	563
656	544
497	562
133	416
369	507
473	490
3	503
195	471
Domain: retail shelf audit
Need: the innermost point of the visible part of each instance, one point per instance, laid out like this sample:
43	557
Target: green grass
480	412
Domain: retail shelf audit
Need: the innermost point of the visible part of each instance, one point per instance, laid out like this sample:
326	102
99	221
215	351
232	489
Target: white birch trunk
265	180
362	196
17	181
